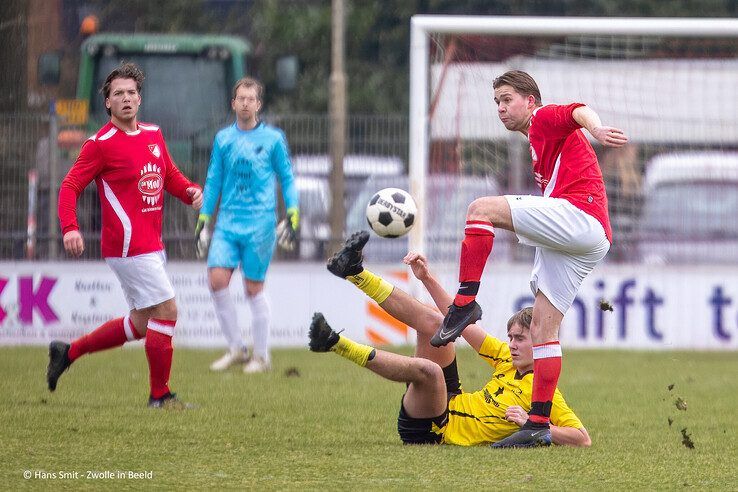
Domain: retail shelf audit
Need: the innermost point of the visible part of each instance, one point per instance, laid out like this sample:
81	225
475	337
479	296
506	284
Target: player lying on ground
434	408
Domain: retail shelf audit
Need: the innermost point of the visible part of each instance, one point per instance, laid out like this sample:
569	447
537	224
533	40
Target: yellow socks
355	352
372	285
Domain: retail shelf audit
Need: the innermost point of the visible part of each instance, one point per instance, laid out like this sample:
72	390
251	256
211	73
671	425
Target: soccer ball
391	212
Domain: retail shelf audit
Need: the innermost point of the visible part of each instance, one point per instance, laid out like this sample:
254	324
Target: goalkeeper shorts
253	251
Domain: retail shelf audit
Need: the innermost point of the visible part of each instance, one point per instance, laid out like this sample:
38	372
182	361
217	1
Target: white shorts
143	278
569	243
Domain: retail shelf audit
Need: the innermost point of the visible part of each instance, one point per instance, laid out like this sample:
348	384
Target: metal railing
34	144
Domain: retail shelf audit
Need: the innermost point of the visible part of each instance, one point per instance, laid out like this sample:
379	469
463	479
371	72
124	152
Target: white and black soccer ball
391	212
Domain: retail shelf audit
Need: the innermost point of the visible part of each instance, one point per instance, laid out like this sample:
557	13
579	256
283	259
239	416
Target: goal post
633	71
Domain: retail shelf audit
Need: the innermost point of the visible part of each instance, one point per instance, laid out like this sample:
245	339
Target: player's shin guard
546	370
479	236
355	352
159	354
372	285
113	333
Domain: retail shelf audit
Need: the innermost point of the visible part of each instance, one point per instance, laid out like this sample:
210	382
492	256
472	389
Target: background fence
26	146
376	157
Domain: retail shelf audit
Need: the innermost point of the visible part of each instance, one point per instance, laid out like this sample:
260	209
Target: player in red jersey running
132	168
569	226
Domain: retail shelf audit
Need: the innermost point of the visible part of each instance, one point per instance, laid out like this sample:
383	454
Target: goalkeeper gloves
287	230
202	235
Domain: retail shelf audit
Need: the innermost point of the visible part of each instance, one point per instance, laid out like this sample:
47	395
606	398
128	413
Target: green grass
334	426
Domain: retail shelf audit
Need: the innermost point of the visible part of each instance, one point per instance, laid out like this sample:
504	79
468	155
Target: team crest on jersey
154	148
150	184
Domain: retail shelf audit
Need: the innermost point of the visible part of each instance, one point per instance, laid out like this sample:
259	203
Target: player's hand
293	215
287	230
609	136
418	264
195	195
516	414
202	235
73	243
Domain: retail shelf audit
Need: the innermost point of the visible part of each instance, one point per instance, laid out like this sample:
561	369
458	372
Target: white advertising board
654	307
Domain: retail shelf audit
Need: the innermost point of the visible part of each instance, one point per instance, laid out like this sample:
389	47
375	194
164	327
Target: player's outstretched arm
473	334
563	436
570	436
419	265
607	135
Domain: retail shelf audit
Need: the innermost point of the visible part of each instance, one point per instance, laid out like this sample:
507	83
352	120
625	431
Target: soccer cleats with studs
457	319
58	362
526	438
322	336
348	261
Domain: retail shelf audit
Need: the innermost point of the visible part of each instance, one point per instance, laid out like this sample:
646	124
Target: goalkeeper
247	157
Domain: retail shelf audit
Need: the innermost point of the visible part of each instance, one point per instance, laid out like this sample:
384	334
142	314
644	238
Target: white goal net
669	83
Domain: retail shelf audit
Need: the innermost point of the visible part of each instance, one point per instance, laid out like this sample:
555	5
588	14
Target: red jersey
131	170
564	163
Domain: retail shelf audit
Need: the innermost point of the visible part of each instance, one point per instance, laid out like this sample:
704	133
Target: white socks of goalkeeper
225	309
260	321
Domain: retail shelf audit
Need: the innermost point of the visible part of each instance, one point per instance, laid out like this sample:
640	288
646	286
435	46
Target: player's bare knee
219	278
254	288
429	321
216	283
476	209
427	371
165	310
490	208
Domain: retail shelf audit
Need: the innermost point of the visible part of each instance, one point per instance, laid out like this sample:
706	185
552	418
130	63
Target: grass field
333	426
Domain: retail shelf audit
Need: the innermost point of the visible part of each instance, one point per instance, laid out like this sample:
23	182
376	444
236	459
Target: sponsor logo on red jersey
150	184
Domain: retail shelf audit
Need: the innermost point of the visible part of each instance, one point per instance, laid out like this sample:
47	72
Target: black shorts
421	431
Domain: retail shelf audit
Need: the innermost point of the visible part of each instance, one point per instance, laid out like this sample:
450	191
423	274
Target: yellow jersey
479	418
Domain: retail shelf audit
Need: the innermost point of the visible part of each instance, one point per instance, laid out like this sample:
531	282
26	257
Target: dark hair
126	70
521	82
522	318
249	82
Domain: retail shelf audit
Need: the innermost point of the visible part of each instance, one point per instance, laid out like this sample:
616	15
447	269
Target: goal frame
421	26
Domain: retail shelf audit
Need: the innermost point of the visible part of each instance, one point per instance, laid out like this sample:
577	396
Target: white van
690	210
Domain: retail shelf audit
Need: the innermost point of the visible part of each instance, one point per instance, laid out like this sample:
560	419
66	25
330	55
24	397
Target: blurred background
673	192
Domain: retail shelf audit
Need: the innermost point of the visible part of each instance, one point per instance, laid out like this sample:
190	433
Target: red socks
113	333
475	249
159	354
546	370
116	332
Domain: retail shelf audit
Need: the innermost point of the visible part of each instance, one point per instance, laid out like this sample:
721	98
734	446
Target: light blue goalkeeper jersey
242	169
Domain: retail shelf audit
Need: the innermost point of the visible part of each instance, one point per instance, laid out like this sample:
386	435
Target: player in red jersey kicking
132	168
569	226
